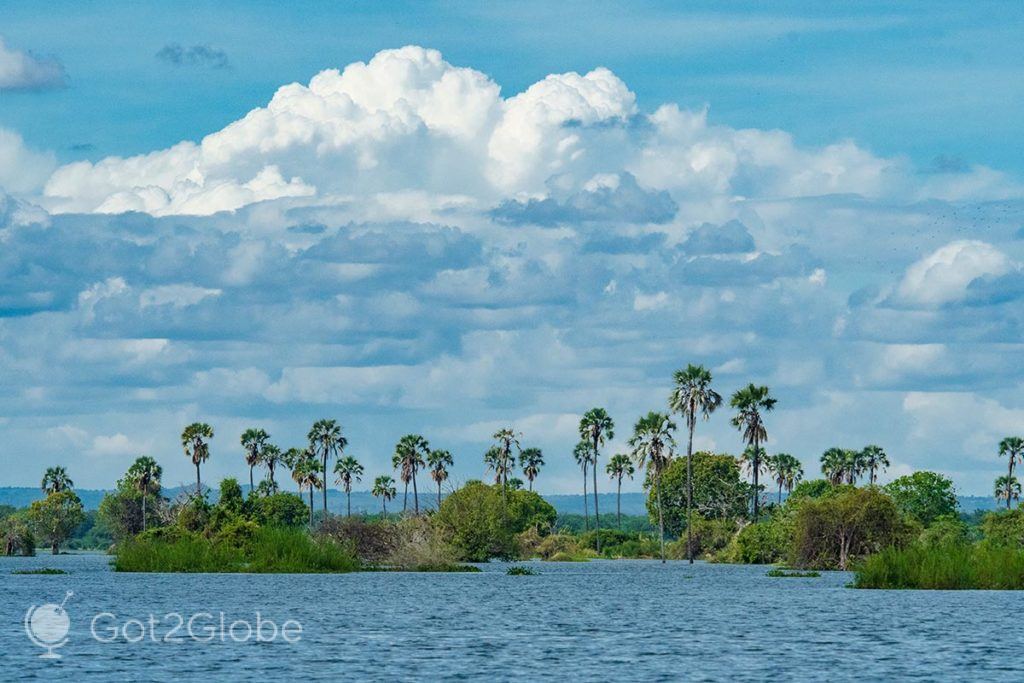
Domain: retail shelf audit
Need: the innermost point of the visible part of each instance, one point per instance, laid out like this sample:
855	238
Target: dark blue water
621	620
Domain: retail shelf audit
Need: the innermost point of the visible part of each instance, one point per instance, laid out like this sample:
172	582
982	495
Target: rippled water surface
606	620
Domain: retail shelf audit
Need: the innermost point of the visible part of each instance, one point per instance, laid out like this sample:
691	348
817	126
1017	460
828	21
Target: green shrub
789	574
521	571
945	531
927	496
556	544
1004	528
762	543
952	567
710	536
280	509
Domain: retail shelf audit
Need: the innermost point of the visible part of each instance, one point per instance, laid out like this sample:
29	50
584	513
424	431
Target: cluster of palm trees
846	465
1007	486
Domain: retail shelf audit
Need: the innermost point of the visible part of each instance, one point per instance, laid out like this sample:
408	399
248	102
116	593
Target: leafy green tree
1007	488
56	517
718	492
583	455
925	495
326	441
145	475
280	510
619	466
348	470
16	535
750	403
1013	448
384	488
439	461
786	471
530	461
873	458
254	441
692	398
410	453
652	445
195	442
55	480
596	427
811	488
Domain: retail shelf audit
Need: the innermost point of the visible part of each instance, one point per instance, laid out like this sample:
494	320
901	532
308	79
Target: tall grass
948	567
270	550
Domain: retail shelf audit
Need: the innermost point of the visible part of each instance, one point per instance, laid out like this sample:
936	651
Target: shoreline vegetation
718	507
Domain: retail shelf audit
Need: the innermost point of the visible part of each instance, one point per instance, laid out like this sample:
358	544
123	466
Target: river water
599	620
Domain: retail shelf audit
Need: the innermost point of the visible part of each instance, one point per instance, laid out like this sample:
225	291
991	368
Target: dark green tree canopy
925	495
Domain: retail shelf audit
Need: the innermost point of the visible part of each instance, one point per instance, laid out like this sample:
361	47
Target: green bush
718	491
951	567
280	509
1004	528
710	536
927	496
762	543
945	531
556	544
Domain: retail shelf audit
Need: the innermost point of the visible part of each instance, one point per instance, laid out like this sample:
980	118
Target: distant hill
362	501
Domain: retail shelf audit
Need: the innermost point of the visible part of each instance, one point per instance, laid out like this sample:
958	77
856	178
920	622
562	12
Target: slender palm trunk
871	475
348	500
661	516
54	547
311	507
438	495
199	483
270	472
325	483
405	498
597	514
689	487
780	493
618	506
757	467
586	508
530	486
1009	480
251	487
415	492
143	510
384	504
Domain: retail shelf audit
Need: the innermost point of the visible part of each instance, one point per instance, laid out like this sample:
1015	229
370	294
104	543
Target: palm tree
750	403
652	444
692	397
833	465
348	470
253	441
145	475
384	488
409	454
326	440
1007	488
786	470
194	441
873	458
492	459
581	453
530	461
506	438
596	427
270	458
1013	448
55	480
619	466
854	465
306	473
439	461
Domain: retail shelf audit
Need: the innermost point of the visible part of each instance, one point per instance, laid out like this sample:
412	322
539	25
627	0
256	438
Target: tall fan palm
596	427
492	461
439	461
253	441
195	442
652	444
854	465
384	488
750	403
582	454
1007	488
873	458
692	398
786	471
1013	448
145	476
619	465
348	470
55	480
833	465
506	439
530	461
326	441
271	457
306	473
410	452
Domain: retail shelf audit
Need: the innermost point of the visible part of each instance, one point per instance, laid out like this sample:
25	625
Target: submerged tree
56	516
195	442
384	488
530	461
439	461
1007	488
652	444
55	480
873	458
1013	448
596	427
253	441
750	403
348	470
326	441
619	466
582	454
692	398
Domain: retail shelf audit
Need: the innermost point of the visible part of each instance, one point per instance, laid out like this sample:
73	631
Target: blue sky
529	213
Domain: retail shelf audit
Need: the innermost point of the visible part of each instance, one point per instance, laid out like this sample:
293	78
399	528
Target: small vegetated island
755	508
